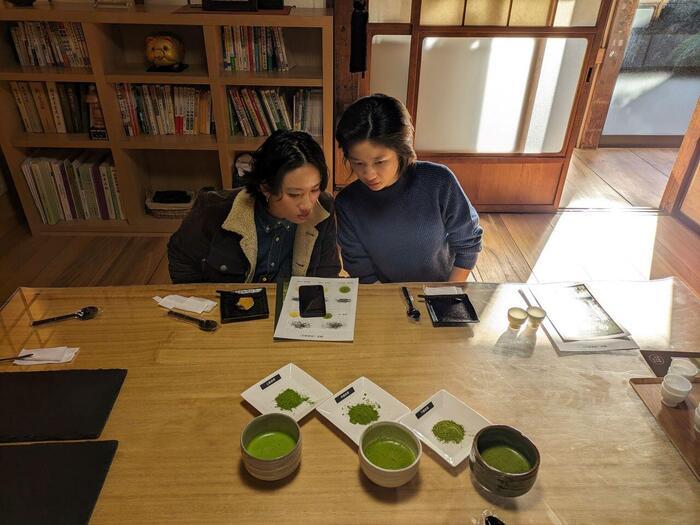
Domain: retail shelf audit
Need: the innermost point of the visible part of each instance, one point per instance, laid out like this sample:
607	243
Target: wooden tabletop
179	415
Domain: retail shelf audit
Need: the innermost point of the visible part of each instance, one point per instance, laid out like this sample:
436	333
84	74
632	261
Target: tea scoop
85	313
206	325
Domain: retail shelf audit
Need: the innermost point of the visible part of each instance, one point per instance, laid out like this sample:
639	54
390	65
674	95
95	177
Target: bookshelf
145	163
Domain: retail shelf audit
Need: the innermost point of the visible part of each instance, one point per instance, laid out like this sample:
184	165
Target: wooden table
179	415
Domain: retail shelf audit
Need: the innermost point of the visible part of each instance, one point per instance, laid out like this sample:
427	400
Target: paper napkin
189	304
47	356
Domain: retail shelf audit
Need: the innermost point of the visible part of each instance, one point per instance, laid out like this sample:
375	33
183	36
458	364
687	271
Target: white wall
655	103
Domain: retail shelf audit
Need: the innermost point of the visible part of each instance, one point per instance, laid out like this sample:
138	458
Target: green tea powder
289	399
363	413
448	431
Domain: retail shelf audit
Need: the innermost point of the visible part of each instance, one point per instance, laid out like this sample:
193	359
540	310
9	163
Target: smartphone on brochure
312	301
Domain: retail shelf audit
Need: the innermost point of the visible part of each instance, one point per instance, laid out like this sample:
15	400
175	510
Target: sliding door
496	88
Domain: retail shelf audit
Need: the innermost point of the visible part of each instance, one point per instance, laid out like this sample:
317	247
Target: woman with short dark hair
403	220
281	224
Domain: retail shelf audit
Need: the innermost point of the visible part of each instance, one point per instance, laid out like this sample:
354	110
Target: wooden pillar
606	76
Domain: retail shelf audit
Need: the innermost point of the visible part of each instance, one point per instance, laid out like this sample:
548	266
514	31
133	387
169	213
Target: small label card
423	411
270	381
345	394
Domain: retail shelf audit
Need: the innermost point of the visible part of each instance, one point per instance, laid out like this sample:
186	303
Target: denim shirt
275	244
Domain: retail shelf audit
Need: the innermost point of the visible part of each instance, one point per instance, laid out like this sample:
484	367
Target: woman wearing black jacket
281	224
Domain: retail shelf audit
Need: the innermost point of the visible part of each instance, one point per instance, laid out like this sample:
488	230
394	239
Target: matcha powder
363	413
289	399
448	431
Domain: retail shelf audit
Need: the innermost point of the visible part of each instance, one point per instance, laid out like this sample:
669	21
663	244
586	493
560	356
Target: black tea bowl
496	481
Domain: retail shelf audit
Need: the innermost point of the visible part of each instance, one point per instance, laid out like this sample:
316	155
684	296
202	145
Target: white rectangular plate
444	406
263	393
362	390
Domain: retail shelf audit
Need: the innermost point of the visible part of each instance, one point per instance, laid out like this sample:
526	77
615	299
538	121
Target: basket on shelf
162	210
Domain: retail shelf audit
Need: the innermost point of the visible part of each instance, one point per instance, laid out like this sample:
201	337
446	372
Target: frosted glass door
497	95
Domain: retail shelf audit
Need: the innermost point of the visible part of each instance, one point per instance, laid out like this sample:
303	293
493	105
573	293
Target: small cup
516	317
696	419
393	431
674	389
535	316
683	367
277	468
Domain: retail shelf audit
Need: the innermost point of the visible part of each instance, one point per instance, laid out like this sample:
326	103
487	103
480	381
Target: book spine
20	106
89	189
123	110
74	187
74	107
29	177
42	105
55	103
51	216
65	107
60	187
117	195
52	189
78	177
102	169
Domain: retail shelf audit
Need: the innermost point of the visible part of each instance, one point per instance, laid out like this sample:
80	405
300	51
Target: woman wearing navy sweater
403	220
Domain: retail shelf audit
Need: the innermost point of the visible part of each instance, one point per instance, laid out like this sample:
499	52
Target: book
43	107
55	104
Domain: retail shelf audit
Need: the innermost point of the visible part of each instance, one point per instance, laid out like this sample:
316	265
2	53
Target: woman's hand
459	274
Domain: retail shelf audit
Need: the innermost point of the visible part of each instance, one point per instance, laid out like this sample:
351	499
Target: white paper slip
264	393
337	325
188	304
442	290
47	356
445	409
340	408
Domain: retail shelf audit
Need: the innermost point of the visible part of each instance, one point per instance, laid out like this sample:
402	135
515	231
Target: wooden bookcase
115	39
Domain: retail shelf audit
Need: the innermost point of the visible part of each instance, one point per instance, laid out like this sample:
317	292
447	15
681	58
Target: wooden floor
615	178
609	231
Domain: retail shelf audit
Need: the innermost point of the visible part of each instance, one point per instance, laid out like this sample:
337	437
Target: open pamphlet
576	321
338	322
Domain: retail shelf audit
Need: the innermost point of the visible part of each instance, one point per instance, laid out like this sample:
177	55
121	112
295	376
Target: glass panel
530	12
487	13
389	11
389	65
497	95
659	82
579	13
441	12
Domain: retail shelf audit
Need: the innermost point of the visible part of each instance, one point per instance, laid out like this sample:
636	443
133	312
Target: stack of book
73	186
51	107
259	112
59	44
254	49
152	109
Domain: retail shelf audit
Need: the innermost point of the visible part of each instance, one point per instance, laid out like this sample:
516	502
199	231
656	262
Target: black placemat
65	404
55	483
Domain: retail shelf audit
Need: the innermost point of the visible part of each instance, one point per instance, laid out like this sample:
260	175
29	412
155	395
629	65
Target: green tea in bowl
389	453
271	446
504	461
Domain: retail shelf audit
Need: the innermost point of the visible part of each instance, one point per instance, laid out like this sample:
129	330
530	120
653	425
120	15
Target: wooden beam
683	169
606	76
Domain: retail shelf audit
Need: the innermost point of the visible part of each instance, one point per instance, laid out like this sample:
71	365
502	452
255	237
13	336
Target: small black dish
234	305
450	310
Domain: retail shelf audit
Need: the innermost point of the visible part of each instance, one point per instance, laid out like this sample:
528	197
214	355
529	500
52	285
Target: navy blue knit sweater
415	230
